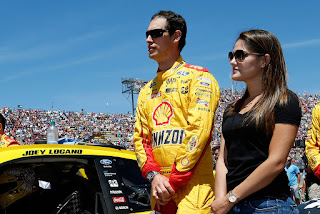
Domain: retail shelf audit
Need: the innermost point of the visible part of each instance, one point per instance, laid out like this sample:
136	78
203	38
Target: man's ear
177	35
1	129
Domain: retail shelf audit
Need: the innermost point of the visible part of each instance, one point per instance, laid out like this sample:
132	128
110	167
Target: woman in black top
258	131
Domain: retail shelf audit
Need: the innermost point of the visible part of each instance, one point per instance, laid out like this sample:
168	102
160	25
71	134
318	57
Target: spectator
313	155
293	174
29	125
5	141
215	152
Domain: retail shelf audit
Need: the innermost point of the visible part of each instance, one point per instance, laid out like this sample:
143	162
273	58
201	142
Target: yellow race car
71	179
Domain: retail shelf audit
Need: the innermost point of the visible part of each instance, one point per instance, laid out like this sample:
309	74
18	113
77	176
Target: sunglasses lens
240	55
155	33
230	55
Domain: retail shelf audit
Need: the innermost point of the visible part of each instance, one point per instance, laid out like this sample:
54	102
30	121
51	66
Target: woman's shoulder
292	96
289	111
290	99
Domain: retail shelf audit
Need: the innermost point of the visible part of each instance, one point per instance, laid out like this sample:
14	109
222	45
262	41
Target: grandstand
29	125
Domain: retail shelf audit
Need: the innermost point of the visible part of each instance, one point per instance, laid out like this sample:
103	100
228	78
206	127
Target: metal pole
132	102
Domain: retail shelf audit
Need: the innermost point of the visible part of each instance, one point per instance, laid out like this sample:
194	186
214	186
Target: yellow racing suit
174	122
6	141
312	142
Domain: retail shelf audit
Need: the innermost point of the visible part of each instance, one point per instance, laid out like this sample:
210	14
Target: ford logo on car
106	162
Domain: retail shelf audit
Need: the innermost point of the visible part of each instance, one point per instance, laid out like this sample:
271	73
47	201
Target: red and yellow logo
162	113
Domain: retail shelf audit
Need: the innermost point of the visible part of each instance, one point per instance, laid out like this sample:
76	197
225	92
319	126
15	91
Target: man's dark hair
174	22
3	121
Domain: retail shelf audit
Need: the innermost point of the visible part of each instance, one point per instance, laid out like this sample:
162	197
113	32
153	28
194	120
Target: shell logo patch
185	161
162	113
193	143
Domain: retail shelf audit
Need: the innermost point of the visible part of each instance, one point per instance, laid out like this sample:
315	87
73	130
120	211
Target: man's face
288	163
216	154
161	47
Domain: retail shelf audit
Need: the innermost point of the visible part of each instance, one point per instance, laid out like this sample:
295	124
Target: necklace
253	99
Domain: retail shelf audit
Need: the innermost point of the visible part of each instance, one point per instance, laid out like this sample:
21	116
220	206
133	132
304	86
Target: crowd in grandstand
29	125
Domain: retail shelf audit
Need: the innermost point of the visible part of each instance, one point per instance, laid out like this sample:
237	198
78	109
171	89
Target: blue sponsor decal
106	162
183	73
204	83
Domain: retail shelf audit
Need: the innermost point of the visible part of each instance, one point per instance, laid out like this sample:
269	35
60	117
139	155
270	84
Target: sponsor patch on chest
166	137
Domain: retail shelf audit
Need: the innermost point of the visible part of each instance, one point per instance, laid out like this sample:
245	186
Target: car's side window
123	184
136	187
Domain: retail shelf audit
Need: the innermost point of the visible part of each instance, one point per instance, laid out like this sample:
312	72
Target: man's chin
152	56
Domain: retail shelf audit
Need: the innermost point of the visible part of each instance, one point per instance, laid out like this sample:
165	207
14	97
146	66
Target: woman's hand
221	205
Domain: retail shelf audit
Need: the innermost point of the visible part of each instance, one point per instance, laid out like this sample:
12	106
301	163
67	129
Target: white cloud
302	44
16	54
103	55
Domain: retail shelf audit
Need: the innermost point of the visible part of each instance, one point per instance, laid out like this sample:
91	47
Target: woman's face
250	69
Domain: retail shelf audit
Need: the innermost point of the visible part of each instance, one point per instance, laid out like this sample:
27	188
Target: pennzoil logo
162	114
193	143
313	161
168	137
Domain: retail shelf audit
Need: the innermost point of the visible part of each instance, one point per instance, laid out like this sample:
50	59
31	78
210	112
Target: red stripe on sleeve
150	164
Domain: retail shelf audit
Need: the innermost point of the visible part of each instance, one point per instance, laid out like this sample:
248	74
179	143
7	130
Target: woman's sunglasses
155	33
240	55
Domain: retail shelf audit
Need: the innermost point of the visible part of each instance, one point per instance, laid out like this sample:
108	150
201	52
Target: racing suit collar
163	75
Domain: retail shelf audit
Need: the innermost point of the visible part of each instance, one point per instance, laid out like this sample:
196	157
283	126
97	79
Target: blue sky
73	53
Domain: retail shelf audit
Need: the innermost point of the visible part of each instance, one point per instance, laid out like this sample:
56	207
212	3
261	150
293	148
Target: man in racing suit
312	143
5	141
174	120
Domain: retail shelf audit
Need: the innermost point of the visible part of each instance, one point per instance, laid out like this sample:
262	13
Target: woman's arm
221	171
